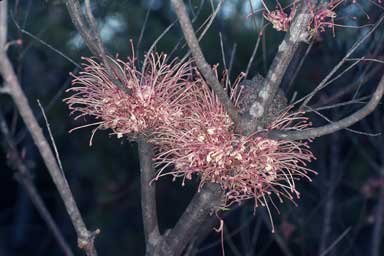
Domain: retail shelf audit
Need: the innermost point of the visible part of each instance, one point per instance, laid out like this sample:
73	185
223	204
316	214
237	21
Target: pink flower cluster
193	135
323	15
279	19
203	143
154	94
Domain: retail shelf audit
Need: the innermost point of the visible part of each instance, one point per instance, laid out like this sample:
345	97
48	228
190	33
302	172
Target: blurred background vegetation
339	205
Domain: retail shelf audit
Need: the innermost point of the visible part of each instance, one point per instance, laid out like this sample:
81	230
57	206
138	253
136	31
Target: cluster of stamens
151	95
191	131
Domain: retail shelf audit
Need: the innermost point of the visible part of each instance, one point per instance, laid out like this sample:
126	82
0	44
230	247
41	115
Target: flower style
279	19
323	17
153	94
204	143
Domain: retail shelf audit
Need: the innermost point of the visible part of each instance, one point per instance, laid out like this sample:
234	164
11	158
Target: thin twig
299	66
223	51
232	59
23	176
85	237
86	25
378	226
357	44
51	137
46	45
143	27
199	58
330	183
253	55
336	242
337	125
205	28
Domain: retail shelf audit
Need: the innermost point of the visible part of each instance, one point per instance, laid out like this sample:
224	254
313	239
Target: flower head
323	17
154	92
279	19
204	143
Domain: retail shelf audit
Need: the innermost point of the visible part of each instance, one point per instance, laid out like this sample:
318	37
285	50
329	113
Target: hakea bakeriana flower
323	17
279	18
247	167
154	94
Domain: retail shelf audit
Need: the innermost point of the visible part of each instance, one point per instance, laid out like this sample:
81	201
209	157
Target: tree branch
23	176
297	34
204	202
198	56
85	237
148	197
355	46
3	24
81	25
87	27
337	125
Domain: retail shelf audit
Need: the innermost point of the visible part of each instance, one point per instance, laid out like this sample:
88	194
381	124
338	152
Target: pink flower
279	19
203	143
323	17
154	94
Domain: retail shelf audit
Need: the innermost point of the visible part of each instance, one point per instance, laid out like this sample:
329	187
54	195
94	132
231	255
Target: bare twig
85	237
299	66
199	58
148	197
330	183
330	248
234	250
348	89
23	176
325	82
86	25
337	125
206	25
46	45
253	55
232	59
378	226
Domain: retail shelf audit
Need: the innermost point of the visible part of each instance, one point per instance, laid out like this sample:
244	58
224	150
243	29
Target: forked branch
337	125
198	56
23	176
85	237
298	33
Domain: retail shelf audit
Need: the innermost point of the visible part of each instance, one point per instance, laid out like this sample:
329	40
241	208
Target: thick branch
87	27
148	197
202	205
297	33
198	56
23	176
3	23
85	237
81	25
337	125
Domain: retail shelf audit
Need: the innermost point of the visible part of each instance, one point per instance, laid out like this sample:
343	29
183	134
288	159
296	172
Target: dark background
340	203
